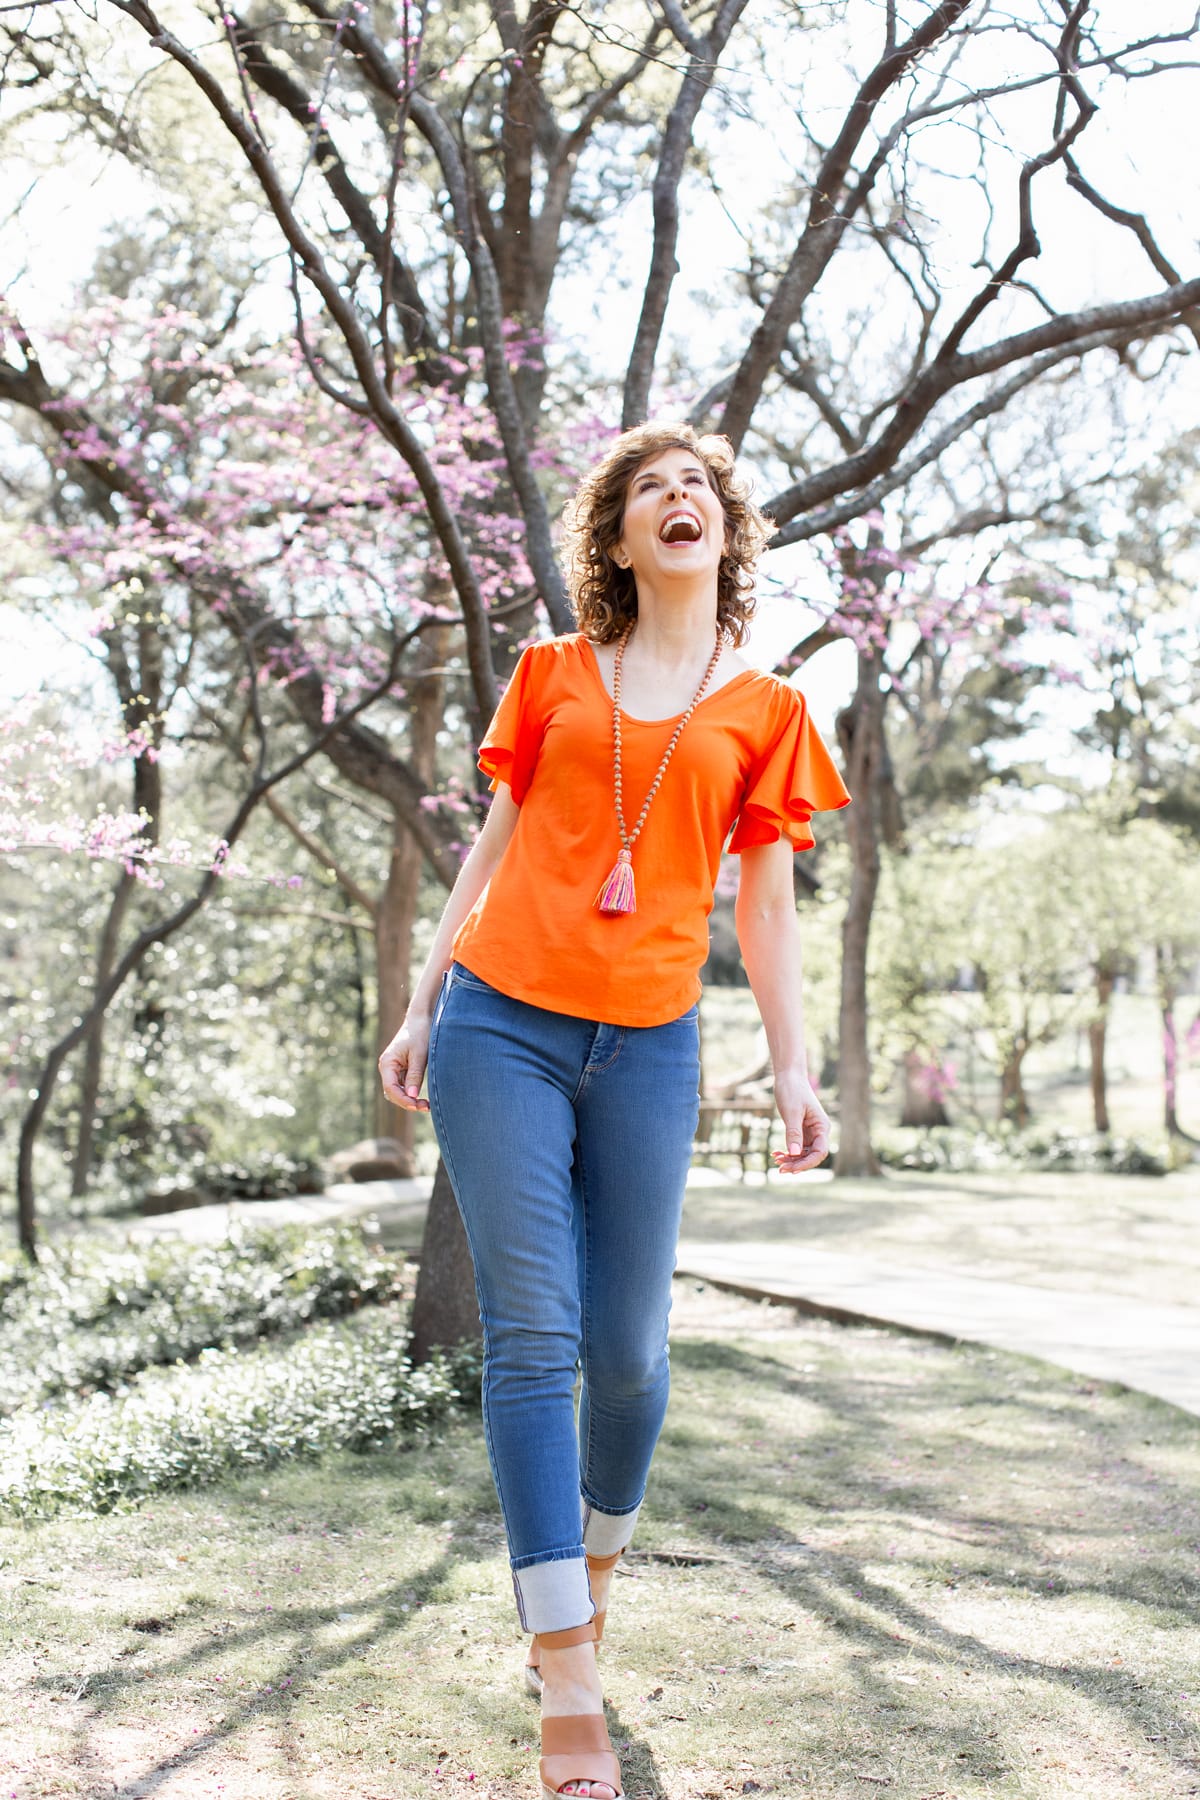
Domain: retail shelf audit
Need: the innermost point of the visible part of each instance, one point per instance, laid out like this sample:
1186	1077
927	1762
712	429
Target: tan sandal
576	1747
597	1565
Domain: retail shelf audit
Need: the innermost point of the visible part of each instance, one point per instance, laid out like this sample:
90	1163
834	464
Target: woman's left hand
806	1123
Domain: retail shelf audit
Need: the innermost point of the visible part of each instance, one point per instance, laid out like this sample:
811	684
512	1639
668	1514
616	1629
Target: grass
1116	1234
871	1565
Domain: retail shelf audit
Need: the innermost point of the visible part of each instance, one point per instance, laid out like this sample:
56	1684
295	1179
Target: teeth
680	528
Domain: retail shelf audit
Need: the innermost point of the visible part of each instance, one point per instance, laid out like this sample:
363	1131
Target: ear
620	556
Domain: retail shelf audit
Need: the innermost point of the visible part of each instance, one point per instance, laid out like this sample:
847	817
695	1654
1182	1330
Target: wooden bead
629	838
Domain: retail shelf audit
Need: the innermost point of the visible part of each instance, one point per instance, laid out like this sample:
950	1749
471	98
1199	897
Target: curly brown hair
604	595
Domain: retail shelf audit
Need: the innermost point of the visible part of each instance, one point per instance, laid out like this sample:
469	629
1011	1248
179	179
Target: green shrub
1085	1151
465	1365
961	1151
273	1175
15	1270
89	1317
346	1386
941	1147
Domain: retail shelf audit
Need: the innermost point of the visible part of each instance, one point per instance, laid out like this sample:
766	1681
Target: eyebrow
689	469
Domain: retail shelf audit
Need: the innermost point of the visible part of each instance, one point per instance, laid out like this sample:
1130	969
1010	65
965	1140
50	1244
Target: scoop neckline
593	663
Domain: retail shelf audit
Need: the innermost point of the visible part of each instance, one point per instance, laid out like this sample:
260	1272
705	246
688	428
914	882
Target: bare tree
435	189
166	926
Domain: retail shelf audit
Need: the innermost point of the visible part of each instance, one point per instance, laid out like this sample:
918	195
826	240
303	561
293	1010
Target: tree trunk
139	689
400	900
1097	1042
445	1311
93	1049
394	921
860	734
1014	1102
1168	992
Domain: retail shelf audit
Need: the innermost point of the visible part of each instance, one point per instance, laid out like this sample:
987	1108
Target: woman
558	1015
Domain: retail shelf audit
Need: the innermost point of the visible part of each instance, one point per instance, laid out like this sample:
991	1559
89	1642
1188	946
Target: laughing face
674	522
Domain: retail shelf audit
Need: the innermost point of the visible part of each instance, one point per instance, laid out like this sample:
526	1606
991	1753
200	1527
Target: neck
674	632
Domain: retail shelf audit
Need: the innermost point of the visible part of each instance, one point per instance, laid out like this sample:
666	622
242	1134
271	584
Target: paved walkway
1153	1348
1104	1336
398	1205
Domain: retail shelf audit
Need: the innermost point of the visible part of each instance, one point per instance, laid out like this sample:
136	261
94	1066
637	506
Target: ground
870	1565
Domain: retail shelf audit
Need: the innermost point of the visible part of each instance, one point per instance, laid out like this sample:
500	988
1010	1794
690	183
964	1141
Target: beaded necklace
617	895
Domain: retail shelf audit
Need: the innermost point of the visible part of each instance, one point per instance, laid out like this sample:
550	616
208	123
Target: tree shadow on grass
291	1642
847	1430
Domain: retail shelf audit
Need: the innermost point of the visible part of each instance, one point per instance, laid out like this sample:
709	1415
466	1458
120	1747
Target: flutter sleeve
793	778
513	740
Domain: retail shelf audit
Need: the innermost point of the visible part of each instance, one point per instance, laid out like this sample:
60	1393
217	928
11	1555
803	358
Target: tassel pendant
617	895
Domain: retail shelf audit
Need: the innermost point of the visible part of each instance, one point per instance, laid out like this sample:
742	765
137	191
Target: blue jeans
567	1143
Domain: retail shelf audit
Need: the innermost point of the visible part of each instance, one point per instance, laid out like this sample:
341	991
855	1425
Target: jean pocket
461	977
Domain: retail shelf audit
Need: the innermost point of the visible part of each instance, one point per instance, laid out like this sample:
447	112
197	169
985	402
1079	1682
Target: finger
393	1076
800	1156
818	1144
798	1138
806	1156
413	1077
409	1102
796	1165
401	1090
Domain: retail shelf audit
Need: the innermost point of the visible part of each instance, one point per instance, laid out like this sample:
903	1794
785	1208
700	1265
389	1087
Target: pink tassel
617	895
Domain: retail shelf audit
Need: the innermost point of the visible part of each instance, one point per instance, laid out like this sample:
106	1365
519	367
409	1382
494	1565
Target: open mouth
680	528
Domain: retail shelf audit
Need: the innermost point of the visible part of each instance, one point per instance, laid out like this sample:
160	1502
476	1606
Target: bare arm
402	1064
769	937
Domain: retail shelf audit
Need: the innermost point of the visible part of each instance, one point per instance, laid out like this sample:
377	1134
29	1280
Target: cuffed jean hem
604	1532
553	1596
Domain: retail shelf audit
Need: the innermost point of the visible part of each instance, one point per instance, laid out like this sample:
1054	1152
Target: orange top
749	759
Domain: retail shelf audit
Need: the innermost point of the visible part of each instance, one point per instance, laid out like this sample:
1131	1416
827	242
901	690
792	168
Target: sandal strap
534	1658
598	1564
556	1771
562	1640
559	1640
576	1747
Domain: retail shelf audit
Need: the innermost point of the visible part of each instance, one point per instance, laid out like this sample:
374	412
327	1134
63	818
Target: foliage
246	1041
15	1270
272	1175
86	1317
956	1150
338	1386
261	473
1127	571
918	951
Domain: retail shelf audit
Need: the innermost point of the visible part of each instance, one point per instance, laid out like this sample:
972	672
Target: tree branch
387	415
322	855
502	393
1115	325
287	93
1138	224
826	222
693	90
361	754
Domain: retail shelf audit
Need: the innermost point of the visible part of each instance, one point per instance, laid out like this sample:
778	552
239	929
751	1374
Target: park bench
739	1129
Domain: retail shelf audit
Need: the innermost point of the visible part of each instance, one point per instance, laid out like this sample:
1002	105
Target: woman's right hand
402	1064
